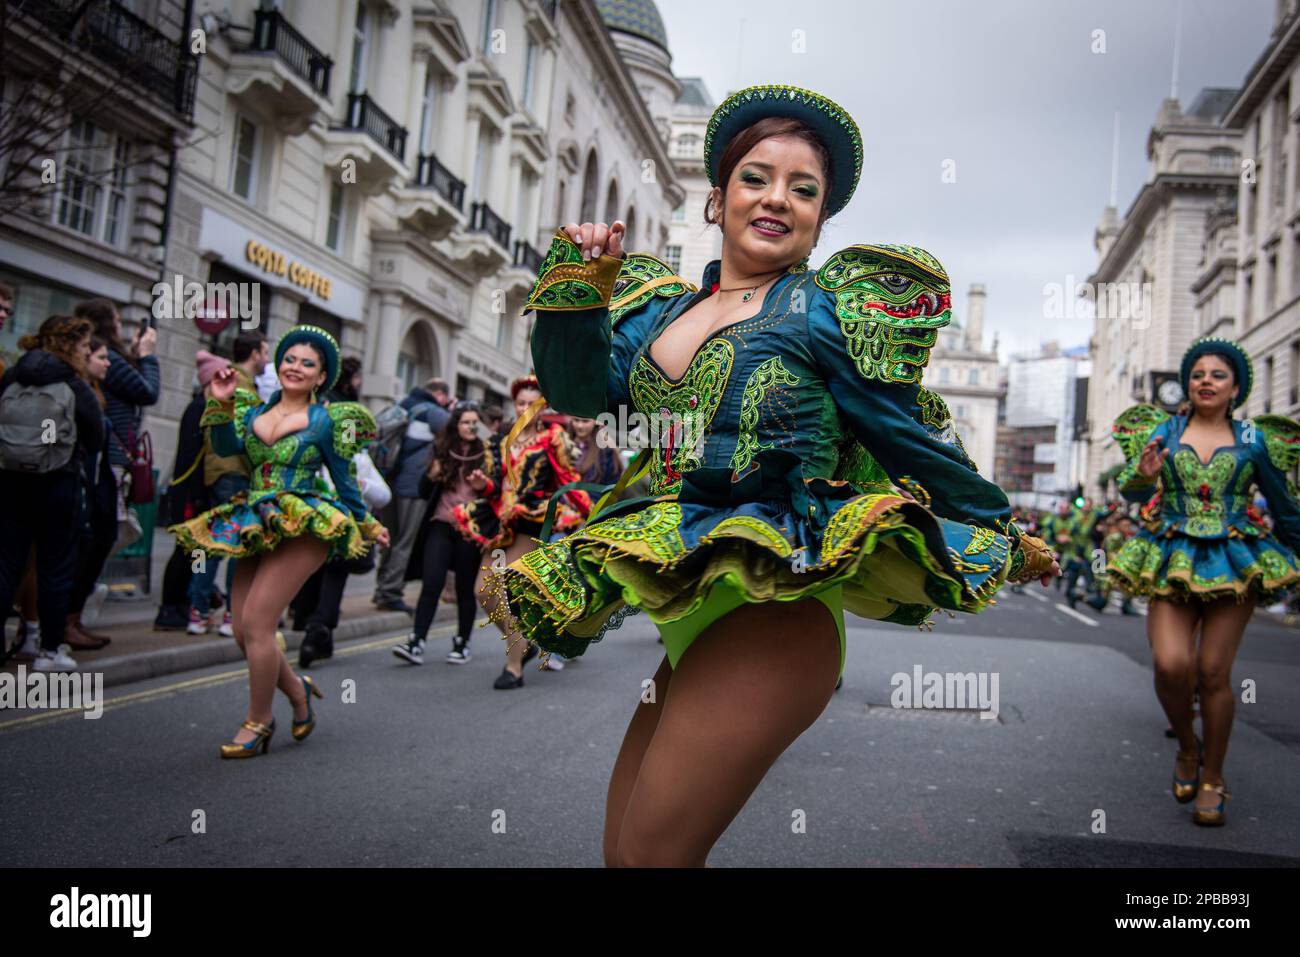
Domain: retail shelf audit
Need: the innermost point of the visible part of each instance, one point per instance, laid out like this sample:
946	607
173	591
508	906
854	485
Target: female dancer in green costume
1204	557
793	412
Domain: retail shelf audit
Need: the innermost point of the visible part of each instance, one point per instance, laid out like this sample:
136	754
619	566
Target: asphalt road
428	763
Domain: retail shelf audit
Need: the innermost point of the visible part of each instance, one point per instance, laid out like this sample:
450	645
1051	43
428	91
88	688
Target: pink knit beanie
209	365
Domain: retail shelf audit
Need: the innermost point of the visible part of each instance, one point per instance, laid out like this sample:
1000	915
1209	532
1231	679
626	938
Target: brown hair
591	446
96	343
60	336
101	313
744	141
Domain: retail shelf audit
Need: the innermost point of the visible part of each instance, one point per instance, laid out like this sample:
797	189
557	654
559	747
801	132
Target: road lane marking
1074	614
192	684
1037	597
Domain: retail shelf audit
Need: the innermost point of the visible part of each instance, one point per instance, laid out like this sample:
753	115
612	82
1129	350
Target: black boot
315	644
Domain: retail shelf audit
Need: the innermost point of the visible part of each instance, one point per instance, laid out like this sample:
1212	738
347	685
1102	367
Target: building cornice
1150	198
1276	59
609	63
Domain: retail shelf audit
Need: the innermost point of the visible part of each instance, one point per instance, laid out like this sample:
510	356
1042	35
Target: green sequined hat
313	336
1241	364
828	120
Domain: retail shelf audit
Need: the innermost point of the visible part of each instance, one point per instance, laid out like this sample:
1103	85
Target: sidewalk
139	652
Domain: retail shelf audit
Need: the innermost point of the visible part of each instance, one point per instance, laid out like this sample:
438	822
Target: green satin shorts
724	597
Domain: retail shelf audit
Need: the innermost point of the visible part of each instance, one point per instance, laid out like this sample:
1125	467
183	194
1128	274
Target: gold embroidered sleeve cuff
1030	560
216	412
568	283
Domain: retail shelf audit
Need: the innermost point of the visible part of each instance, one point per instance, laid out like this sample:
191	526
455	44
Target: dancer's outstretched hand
382	537
1152	459
223	384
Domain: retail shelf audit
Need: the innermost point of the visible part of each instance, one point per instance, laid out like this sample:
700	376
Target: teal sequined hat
1241	364
832	124
313	336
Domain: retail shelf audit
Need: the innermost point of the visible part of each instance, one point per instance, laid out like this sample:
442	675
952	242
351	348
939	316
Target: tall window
973	377
1248	306
524	208
243	163
489	24
530	73
482	164
1270	283
1294	372
673	258
429	109
92	198
679	214
1268	384
611	203
334	223
588	210
360	44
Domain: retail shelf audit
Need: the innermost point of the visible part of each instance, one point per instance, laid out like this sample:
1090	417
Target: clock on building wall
1167	390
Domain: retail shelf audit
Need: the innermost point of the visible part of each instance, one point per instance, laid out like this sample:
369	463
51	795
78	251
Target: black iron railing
527	258
365	115
429	172
483	220
272	33
114	35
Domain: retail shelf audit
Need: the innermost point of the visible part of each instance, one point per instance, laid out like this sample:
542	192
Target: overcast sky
1008	89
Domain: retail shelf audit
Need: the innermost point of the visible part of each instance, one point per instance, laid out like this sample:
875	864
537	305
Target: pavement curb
205	652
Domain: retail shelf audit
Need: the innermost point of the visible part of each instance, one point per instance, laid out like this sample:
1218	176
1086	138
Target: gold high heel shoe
1183	788
1215	816
307	725
250	749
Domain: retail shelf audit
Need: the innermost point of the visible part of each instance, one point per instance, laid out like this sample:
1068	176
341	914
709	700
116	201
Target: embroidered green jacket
823	384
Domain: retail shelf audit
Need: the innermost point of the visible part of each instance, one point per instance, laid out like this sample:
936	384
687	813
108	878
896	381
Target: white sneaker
94	604
554	663
30	649
54	660
227	630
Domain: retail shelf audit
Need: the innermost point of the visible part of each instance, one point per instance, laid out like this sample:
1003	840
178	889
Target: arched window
629	238
417	359
588	212
611	202
559	204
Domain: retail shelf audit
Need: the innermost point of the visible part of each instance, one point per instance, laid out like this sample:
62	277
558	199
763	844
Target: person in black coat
44	508
318	604
99	523
186	497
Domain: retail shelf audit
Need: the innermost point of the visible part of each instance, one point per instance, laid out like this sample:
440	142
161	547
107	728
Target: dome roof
637	17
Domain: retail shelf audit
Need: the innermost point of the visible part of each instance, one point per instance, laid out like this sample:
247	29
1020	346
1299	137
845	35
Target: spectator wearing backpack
50	420
131	384
428	411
